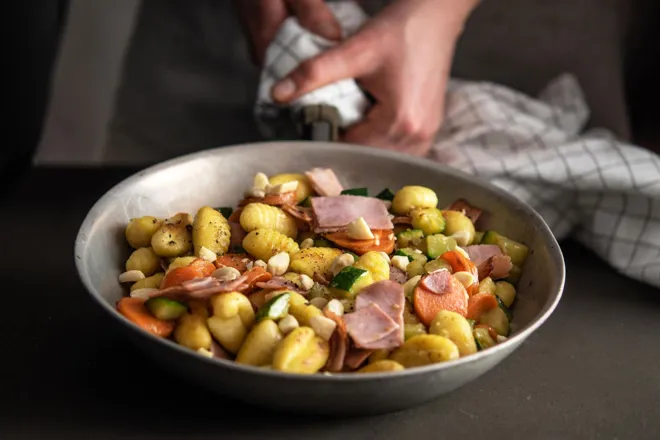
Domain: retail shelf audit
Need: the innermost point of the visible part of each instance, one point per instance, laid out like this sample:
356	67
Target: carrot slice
460	263
383	241
257	275
136	312
491	332
235	216
233	260
480	304
427	304
199	268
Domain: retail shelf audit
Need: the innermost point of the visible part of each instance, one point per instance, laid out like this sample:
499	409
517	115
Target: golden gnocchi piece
261	216
429	220
411	197
455	327
381	366
181	262
260	344
191	331
211	230
314	260
264	243
152	282
140	230
304	189
233	317
173	238
145	260
376	265
301	352
425	350
459	227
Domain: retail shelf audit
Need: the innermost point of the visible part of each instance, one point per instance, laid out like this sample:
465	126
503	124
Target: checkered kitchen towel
604	192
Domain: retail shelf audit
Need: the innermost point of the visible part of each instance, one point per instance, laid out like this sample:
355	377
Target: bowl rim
553	248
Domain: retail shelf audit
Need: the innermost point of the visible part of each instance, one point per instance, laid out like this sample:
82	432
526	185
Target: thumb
350	59
315	16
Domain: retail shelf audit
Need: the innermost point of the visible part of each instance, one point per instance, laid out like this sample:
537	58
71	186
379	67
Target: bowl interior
219	178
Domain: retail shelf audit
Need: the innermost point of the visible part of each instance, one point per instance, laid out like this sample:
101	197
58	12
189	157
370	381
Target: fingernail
329	30
284	89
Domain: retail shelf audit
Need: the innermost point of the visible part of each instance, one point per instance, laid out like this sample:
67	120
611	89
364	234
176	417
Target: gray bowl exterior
219	178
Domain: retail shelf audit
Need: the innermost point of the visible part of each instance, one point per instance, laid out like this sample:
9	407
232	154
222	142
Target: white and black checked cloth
604	192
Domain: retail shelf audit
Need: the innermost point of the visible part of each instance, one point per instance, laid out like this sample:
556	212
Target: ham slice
338	344
324	181
438	282
334	214
201	288
481	252
237	235
402	220
389	296
496	267
371	328
218	351
277	283
288	198
397	275
356	357
463	206
299	212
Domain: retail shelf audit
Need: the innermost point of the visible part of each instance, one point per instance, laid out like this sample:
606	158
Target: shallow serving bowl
219	177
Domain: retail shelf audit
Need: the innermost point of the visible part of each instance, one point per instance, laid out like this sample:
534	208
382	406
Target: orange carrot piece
136	312
199	268
459	263
257	275
233	260
427	304
491	332
383	242
480	304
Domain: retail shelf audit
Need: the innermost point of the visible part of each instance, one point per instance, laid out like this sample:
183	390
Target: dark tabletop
592	371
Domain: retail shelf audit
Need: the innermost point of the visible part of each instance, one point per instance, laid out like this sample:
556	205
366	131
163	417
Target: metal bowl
219	177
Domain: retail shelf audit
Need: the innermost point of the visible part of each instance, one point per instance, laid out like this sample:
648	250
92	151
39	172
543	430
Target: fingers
350	59
317	17
400	131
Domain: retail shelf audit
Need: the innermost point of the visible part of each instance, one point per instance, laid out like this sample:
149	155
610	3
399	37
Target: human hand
261	19
402	57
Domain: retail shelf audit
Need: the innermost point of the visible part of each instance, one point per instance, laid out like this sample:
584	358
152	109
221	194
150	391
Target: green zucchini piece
478	235
346	277
482	338
409	238
307	202
322	242
416	256
225	211
410	330
276	308
238	250
515	250
165	308
435	265
504	308
438	244
385	194
364	192
404	253
415	268
514	275
472	322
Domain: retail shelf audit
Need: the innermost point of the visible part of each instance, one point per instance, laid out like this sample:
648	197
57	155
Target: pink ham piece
367	326
277	283
324	181
389	296
338	344
372	328
496	267
334	214
438	282
218	351
463	206
479	253
237	235
356	357
201	288
397	275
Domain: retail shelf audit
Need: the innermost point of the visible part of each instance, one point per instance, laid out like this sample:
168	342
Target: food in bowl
307	277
